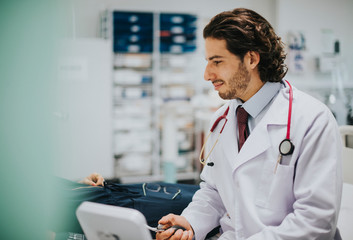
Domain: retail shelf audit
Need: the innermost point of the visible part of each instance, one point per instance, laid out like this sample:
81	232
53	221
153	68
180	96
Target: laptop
105	222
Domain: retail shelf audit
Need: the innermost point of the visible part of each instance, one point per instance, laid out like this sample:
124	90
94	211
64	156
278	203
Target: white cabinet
83	110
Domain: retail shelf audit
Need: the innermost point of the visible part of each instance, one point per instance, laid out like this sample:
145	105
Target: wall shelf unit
152	80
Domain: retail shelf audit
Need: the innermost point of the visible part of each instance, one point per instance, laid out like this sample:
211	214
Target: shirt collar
259	101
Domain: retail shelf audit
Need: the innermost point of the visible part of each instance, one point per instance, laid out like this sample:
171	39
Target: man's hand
95	179
171	234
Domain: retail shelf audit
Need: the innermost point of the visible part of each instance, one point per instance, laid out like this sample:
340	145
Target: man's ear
254	59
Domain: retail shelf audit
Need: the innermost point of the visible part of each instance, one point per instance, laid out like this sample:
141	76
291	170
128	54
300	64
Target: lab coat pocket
275	189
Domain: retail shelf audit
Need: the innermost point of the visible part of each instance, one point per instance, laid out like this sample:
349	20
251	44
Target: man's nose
208	74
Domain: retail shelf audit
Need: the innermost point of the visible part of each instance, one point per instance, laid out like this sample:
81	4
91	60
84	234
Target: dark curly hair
245	30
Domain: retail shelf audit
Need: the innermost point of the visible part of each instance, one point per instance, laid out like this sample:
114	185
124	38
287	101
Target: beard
238	83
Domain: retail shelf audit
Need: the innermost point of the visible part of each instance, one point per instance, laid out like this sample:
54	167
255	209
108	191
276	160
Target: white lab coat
244	195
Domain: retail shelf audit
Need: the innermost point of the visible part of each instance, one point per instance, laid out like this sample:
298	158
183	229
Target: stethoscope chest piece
286	147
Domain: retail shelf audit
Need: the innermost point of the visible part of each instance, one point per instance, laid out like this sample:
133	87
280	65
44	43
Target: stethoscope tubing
289	110
224	117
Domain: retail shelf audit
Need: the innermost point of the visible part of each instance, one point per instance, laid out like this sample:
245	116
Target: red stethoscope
286	147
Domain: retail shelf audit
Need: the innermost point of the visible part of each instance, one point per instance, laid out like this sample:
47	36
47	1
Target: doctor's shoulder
308	107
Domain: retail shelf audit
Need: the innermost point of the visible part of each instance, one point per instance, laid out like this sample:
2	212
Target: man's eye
217	62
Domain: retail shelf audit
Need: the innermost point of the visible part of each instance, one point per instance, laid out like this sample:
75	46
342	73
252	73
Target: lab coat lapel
228	140
259	140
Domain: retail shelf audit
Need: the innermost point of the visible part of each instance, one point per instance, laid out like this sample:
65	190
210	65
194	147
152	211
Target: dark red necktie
242	117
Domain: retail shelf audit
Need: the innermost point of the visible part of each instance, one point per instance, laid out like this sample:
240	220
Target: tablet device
105	222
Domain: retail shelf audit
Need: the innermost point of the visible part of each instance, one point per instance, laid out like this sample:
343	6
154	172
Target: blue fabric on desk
153	206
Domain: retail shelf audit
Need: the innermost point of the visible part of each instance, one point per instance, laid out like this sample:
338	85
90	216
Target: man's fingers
190	235
95	179
168	219
177	234
99	180
88	182
165	235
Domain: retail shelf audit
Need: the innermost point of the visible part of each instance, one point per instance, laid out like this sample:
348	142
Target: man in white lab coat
249	188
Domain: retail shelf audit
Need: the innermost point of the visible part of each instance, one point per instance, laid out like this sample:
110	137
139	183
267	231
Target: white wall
82	17
310	17
87	11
